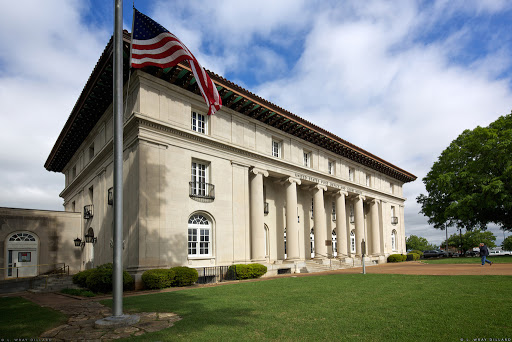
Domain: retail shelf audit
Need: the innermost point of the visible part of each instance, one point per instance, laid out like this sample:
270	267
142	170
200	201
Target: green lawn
350	307
504	259
24	320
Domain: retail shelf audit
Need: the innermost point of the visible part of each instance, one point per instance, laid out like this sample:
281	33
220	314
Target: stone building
252	183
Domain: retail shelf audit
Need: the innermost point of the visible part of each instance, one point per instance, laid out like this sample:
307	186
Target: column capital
319	187
361	197
293	180
257	171
375	201
341	192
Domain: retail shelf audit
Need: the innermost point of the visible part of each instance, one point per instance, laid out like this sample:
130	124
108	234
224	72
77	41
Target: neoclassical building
252	183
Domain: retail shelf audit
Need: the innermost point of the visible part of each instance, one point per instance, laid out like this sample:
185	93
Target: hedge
158	278
184	276
397	258
99	279
250	271
413	256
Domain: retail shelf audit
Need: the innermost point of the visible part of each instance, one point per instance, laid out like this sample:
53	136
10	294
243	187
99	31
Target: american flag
153	45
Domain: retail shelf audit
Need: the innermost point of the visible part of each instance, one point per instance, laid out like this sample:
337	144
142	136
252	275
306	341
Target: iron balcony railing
394	220
265	209
88	211
352	219
202	190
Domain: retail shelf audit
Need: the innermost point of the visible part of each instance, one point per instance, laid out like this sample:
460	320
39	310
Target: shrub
250	271
99	279
81	277
158	278
184	276
397	258
413	256
420	253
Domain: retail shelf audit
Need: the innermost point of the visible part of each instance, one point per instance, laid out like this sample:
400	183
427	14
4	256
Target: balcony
204	192
351	219
333	217
88	211
265	209
394	220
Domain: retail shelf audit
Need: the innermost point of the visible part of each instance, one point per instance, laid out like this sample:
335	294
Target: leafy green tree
471	239
470	185
507	244
419	243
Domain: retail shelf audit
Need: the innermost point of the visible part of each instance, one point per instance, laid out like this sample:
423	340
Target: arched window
393	240
352	242
22	237
199	236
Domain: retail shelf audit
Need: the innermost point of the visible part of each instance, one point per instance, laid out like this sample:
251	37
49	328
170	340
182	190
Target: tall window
312	242
199	233
199	179
198	122
393	240
390	187
91	151
276	148
352	242
334	243
368	180
330	167
351	172
307	159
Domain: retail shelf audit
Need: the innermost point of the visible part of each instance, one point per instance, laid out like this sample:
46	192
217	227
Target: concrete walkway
83	312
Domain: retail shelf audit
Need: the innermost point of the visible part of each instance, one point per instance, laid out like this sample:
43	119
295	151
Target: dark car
434	254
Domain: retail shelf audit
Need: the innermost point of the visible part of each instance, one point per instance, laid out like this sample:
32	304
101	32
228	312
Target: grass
23	320
79	292
503	259
350	307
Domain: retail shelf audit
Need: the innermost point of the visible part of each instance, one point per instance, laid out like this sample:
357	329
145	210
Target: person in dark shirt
484	252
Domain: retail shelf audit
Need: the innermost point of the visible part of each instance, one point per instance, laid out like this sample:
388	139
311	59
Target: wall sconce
89	237
110	196
79	242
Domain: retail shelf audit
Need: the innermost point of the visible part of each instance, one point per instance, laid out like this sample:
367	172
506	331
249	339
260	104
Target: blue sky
400	79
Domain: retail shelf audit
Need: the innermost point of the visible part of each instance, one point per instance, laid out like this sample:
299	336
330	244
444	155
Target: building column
374	212
319	221
292	226
341	224
359	222
257	215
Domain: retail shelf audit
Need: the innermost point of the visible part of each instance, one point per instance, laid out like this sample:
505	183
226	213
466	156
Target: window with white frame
334	243
351	172
393	240
352	242
390	187
198	122
368	180
276	148
199	178
199	236
307	159
330	167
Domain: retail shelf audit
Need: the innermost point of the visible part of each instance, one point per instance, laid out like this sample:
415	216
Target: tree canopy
418	243
471	239
470	185
507	244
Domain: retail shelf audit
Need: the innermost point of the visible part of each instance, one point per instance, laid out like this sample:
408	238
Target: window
312	242
333	211
276	148
22	237
368	180
24	257
73	172
307	159
390	187
394	219
199	179
393	240
284	237
352	242
198	123
351	216
312	207
351	172
199	241
91	151
334	243
330	167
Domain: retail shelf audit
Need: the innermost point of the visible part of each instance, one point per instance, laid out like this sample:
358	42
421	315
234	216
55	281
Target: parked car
434	254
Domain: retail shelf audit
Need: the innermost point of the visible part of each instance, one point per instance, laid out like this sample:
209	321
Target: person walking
484	252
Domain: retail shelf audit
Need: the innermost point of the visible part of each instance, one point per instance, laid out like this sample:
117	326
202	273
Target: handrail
330	257
63	268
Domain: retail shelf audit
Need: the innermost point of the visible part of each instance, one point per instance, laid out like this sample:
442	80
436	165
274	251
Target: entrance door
22	255
25	262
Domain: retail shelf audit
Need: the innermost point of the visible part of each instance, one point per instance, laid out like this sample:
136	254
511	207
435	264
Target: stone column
359	222
292	226
374	212
319	221
257	224
341	224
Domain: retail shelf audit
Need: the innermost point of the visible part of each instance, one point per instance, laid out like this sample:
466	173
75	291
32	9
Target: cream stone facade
252	183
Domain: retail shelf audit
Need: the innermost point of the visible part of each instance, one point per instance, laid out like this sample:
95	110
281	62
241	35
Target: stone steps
54	284
313	266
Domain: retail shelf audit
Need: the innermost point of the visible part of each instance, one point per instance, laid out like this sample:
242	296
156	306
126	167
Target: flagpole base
117	321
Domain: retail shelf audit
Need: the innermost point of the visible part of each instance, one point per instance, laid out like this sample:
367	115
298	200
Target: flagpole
117	281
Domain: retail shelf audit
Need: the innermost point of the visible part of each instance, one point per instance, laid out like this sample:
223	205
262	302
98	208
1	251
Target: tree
471	239
418	243
507	244
470	185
